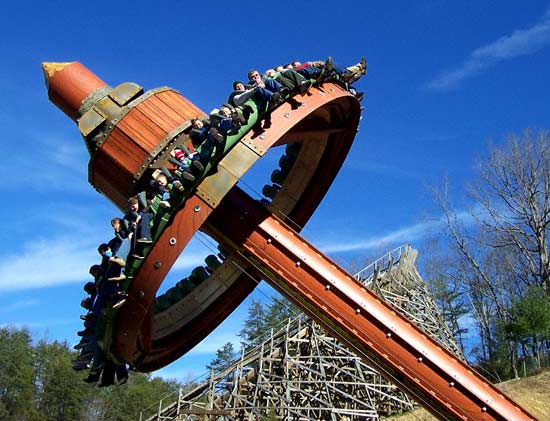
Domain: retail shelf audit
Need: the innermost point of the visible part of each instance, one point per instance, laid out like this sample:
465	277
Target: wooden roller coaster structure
129	133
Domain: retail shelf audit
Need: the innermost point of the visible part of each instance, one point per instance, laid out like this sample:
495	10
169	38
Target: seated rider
255	80
291	79
121	232
322	71
138	221
203	131
109	370
228	119
262	97
161	188
186	162
111	265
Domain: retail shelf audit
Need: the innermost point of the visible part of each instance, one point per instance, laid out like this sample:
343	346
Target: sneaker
80	365
363	65
120	277
186	175
294	104
284	91
105	384
92	378
276	99
359	96
348	77
216	135
86	353
144	240
247	110
177	184
123	381
118	261
198	165
156	173
86	303
85	332
238	118
119	303
304	86
98	368
82	344
328	65
164	204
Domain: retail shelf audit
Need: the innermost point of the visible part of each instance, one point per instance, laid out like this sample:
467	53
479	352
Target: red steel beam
444	385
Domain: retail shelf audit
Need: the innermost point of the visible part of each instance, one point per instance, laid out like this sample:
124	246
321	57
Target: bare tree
504	248
513	192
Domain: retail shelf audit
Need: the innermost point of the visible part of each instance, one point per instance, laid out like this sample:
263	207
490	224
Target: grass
532	393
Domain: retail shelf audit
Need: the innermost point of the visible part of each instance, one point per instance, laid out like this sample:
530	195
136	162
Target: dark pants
272	85
144	226
291	79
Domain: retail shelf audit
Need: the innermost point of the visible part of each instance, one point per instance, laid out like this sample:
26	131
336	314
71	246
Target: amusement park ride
130	133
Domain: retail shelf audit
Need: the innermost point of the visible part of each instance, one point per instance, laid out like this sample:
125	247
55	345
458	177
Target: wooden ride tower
129	133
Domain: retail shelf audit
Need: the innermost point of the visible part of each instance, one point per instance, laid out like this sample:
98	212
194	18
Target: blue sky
444	78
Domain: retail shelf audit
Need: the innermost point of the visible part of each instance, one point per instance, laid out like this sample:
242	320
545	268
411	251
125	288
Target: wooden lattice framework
301	372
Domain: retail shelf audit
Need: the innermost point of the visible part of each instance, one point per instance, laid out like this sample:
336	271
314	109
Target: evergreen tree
124	403
255	324
62	392
450	301
529	322
224	357
279	311
262	319
17	390
38	383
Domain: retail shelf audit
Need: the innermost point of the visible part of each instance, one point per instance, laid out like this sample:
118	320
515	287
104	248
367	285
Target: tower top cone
69	84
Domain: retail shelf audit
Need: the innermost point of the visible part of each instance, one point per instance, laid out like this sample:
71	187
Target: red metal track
445	386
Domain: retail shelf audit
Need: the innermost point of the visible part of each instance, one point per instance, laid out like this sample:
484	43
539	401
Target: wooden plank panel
111	179
173	105
181	105
125	152
163	115
144	131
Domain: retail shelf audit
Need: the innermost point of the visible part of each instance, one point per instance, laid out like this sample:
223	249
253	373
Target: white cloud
62	260
47	263
403	235
43	324
396	237
19	305
61	165
518	43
